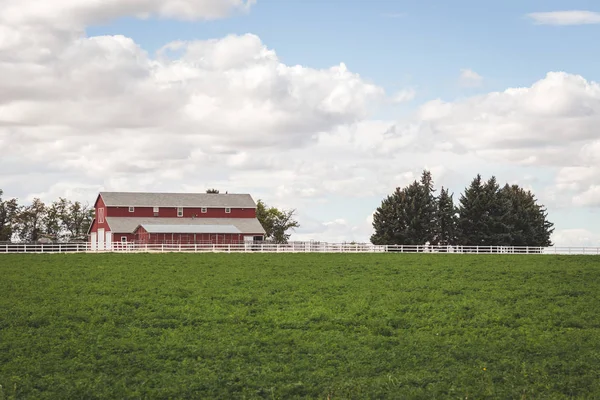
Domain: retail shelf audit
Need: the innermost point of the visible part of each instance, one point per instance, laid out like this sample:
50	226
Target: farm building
173	218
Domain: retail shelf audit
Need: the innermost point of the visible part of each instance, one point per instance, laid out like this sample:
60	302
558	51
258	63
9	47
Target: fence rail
294	247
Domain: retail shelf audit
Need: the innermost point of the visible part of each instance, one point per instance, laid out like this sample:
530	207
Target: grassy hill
337	326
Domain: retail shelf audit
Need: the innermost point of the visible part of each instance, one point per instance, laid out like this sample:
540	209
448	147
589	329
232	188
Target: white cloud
470	78
335	231
572	17
219	95
403	96
85	12
95	113
79	114
545	124
576	237
588	198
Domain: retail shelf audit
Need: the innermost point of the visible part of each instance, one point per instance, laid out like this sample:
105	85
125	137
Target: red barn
174	218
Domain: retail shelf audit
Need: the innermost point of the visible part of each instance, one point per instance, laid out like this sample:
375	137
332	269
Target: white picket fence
295	247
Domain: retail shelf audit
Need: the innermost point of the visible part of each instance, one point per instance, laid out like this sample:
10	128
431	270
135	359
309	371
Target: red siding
98	224
189	238
117	237
171	212
94	227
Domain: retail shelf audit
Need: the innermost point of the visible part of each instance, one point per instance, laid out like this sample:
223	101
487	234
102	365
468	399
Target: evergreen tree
389	221
446	219
408	215
497	214
528	220
412	214
487	215
472	214
543	228
426	207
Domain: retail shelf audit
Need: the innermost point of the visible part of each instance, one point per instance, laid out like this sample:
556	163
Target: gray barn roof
190	228
129	224
197	200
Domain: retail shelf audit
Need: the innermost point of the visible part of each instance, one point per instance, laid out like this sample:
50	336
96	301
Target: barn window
123	239
131	209
180	211
227	210
203	210
155	211
101	215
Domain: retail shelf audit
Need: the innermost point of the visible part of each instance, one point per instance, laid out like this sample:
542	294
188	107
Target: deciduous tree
8	212
276	222
76	219
30	221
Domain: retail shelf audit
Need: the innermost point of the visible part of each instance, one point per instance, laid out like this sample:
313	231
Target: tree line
486	215
62	220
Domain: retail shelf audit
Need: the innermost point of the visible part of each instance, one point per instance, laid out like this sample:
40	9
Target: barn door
93	241
108	240
100	239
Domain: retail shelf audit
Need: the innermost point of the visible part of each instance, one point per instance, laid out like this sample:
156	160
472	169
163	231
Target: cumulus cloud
91	113
338	230
470	78
576	237
219	95
571	17
545	124
85	12
79	114
404	95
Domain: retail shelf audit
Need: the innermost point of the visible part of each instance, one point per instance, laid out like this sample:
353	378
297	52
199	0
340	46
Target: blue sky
184	124
401	43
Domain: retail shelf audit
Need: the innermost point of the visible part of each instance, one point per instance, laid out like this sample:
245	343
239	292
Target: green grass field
337	326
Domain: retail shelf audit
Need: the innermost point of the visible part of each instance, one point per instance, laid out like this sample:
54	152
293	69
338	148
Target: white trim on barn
100	238
93	241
